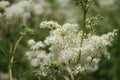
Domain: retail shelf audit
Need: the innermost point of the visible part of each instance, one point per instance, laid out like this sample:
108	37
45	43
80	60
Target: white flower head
49	24
31	42
63	44
4	4
38	45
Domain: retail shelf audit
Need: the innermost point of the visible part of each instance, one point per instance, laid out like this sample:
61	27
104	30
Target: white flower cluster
50	24
63	45
4	4
25	8
33	9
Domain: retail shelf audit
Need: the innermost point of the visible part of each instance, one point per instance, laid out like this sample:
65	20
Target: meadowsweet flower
49	24
64	45
38	9
17	9
31	10
31	42
38	45
4	4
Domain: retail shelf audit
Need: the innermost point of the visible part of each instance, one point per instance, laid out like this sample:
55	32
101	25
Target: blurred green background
61	11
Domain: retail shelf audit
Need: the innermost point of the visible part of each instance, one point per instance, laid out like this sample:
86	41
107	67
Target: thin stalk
84	27
10	75
12	58
84	8
69	71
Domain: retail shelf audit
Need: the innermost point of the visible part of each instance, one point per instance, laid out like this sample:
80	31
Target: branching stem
85	9
12	58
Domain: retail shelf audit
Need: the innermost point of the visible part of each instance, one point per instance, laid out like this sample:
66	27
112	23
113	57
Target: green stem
12	58
84	27
84	8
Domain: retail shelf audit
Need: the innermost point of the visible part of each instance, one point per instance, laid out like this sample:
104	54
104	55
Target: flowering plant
68	50
64	49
